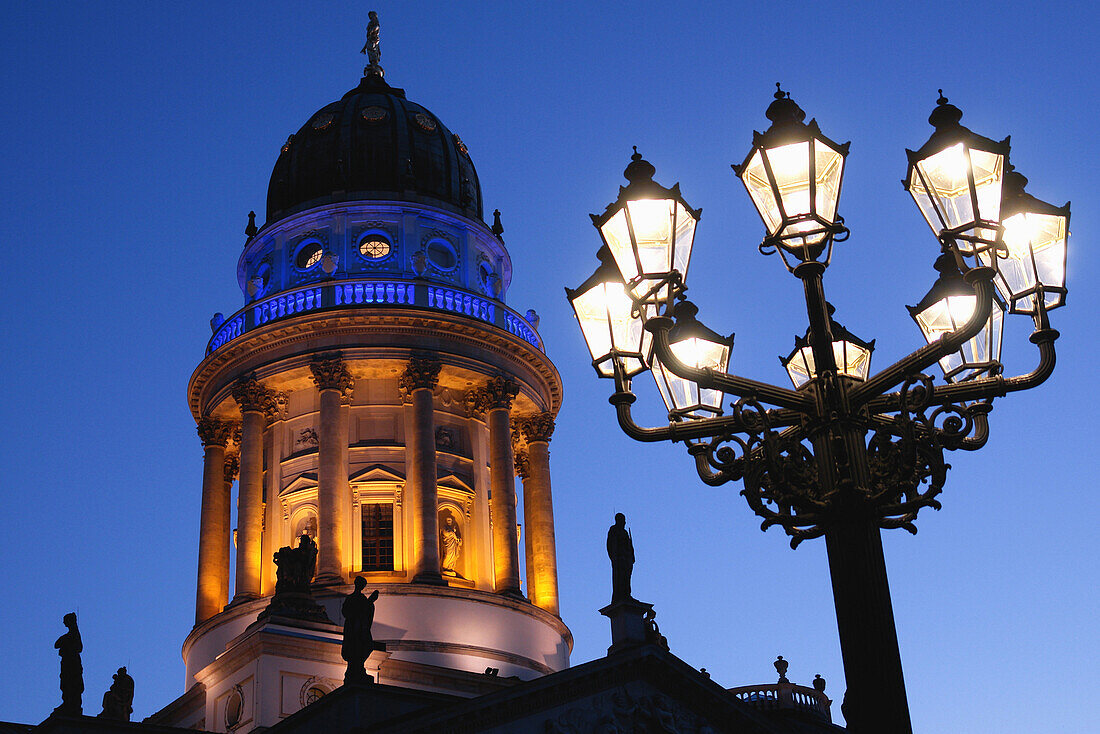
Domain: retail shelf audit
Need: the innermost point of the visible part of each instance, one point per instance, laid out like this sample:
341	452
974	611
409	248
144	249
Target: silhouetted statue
118	700
69	647
296	566
372	48
620	549
358	611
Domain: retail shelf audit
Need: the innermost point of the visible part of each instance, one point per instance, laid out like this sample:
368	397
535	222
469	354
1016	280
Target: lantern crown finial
639	170
945	115
783	110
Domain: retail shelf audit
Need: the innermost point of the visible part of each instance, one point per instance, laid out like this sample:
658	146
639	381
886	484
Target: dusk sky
137	136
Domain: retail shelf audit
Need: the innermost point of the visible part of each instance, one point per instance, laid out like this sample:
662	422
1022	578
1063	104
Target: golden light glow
604	313
684	395
944	195
851	359
650	237
1036	246
949	314
790	167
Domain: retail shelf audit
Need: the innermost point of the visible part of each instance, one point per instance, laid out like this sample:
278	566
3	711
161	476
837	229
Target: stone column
231	469
538	514
496	400
334	382
213	521
255	402
418	383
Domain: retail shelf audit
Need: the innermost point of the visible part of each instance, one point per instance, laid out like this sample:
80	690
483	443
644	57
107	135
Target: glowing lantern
696	346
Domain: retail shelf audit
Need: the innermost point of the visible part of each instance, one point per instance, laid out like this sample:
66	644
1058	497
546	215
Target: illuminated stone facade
376	394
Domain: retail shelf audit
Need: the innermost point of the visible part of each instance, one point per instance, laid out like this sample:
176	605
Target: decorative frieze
330	372
213	432
420	373
252	396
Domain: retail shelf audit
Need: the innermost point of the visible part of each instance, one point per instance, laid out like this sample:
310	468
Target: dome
373	144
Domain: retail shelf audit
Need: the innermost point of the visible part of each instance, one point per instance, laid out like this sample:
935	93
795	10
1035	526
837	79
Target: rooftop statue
69	646
620	549
296	566
372	47
358	611
119	698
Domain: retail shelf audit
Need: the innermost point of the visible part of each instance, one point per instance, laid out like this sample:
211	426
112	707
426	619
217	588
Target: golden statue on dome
372	48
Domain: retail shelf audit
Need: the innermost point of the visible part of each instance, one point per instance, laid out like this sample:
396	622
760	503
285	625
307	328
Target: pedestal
628	624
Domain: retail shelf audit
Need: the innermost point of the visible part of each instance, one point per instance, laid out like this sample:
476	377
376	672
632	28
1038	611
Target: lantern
947	307
793	174
696	346
955	180
852	355
1034	255
649	231
610	327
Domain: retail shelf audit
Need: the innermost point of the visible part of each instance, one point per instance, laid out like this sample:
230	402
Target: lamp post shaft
875	701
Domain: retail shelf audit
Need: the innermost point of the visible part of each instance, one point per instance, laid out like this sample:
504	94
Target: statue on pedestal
358	611
620	549
69	647
118	700
295	569
372	48
450	545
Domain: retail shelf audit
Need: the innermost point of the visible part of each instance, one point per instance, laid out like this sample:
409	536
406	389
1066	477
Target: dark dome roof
373	144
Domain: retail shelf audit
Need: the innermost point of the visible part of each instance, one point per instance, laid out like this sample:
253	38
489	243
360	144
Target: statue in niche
307	526
69	646
444	438
296	566
620	549
450	544
358	611
119	698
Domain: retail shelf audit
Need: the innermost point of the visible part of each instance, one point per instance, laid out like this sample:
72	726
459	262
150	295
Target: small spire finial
779	94
638	169
251	230
497	228
941	99
945	115
372	48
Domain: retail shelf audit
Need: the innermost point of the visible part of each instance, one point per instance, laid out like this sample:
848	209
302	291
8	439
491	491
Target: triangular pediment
453	481
376	473
302	481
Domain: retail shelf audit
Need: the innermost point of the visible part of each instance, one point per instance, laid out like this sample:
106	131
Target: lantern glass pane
924	202
651	221
604	315
791	169
988	171
760	189
945	175
617	236
684	395
685	236
1036	245
976	355
828	167
851	359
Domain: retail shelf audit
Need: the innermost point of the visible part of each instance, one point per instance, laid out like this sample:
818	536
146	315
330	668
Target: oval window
309	254
234	707
442	255
374	246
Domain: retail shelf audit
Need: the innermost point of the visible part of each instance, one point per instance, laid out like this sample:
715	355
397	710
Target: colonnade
491	403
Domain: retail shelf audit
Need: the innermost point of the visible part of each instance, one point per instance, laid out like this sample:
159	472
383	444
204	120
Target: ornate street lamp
851	354
847	453
649	229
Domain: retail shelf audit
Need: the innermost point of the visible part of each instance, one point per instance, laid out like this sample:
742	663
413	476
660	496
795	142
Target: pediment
376	473
453	481
307	480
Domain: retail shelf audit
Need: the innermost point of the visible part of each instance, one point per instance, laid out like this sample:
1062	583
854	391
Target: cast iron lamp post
845	453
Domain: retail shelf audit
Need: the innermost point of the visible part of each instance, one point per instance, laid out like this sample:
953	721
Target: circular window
309	254
234	707
314	694
374	246
442	255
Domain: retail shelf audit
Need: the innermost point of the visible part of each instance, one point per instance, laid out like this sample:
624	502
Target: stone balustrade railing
371	293
785	695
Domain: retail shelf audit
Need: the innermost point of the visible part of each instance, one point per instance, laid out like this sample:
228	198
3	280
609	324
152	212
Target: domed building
376	394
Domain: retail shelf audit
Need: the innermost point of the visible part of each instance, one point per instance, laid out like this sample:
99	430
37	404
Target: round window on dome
309	254
234	708
442	255
374	246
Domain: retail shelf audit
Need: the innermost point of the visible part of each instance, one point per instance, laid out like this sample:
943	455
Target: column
418	383
255	402
231	469
213	528
273	537
538	514
497	397
334	382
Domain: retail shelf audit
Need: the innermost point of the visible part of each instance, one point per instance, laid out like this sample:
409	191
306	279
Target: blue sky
137	136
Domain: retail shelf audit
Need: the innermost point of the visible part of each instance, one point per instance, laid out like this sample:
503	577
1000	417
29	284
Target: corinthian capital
523	464
538	427
420	372
213	432
252	396
330	372
499	392
232	467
